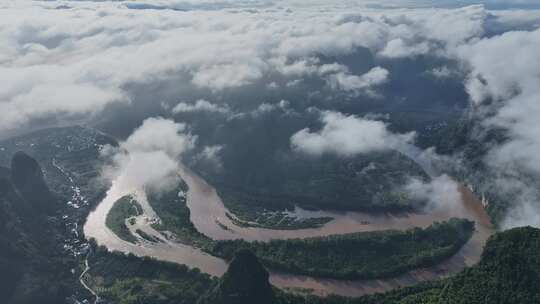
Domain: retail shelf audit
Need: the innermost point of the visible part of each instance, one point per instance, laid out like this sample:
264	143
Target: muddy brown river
207	210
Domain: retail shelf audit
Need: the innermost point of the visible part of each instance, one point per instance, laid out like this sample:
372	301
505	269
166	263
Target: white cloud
442	72
75	62
505	69
211	154
441	193
304	66
159	134
502	65
200	105
336	75
138	170
264	108
517	18
398	48
96	48
524	214
223	76
348	135
453	27
49	99
348	82
503	86
149	156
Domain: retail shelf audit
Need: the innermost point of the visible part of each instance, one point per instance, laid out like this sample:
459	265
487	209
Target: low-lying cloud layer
503	86
150	156
200	105
441	193
79	59
63	60
347	136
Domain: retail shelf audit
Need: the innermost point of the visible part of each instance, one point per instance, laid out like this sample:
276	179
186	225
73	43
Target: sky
331	70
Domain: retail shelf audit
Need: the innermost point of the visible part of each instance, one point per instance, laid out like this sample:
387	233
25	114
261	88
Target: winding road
83	283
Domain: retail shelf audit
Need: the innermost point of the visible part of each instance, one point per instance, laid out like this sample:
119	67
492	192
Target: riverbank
208	212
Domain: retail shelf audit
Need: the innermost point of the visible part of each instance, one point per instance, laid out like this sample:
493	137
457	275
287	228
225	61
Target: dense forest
349	256
245	281
33	262
363	255
509	272
251	210
69	156
325	182
467	140
123	209
126	279
46	192
174	216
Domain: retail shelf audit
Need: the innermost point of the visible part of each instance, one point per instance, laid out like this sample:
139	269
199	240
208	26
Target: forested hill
246	281
509	272
31	263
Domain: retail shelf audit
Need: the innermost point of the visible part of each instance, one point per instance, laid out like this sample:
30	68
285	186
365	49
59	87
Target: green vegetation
74	149
127	279
423	293
33	265
174	214
509	272
123	209
264	211
326	182
261	199
467	138
245	281
147	236
278	220
41	237
350	256
359	255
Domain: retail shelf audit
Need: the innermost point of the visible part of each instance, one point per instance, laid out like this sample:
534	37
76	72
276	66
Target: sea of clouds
73	60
